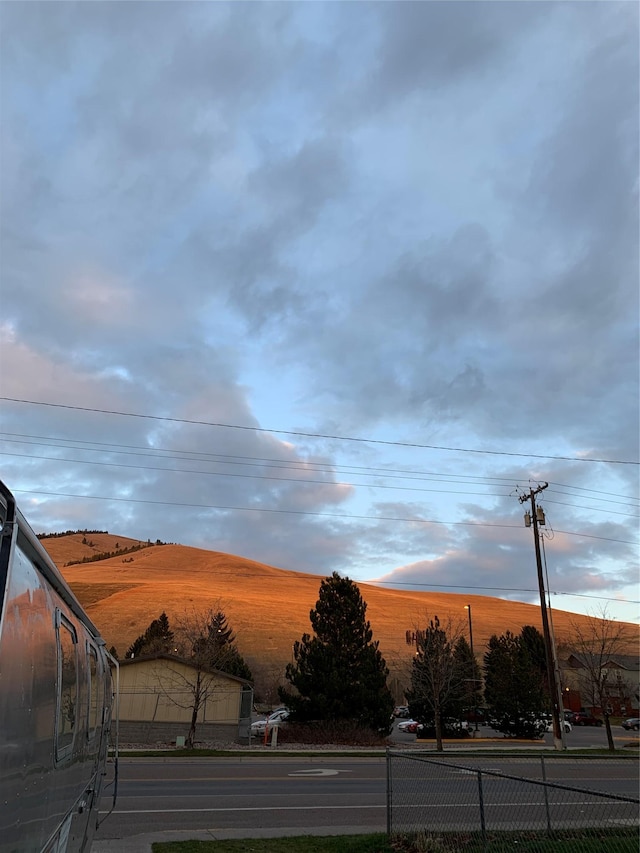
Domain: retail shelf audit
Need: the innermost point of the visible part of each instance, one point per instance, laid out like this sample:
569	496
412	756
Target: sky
330	286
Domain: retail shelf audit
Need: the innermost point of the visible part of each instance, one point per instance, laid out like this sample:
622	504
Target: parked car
276	718
408	726
525	727
632	723
567	726
582	718
476	715
401	711
450	729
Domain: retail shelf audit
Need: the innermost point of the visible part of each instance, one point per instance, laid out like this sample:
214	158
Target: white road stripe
246	809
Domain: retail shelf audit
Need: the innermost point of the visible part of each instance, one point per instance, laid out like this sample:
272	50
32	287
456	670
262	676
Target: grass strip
376	843
617	841
247	753
364	753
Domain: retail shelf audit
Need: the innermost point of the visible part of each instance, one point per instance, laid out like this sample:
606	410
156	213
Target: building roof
185	662
630	663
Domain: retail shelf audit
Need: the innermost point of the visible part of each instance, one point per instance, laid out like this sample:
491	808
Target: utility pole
537	517
467	607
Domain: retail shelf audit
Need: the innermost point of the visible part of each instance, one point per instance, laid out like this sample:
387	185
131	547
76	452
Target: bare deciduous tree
439	678
268	677
197	641
596	641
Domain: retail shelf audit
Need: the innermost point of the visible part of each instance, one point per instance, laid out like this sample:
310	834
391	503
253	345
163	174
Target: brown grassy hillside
268	608
81	546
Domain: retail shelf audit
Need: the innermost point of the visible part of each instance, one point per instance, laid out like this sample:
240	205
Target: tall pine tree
218	647
514	682
158	638
339	673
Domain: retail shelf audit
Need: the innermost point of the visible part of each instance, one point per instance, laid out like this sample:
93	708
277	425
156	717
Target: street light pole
467	607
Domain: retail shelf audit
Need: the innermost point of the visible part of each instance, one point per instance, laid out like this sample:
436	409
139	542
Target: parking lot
581	737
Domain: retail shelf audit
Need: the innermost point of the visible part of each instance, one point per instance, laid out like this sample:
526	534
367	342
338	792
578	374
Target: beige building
622	685
158	694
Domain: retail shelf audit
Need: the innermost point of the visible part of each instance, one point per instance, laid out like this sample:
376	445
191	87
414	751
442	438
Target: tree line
68	533
118	552
446	682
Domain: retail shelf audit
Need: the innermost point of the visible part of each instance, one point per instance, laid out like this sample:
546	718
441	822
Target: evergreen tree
339	673
216	646
533	642
217	636
136	648
159	636
235	664
468	676
514	685
157	639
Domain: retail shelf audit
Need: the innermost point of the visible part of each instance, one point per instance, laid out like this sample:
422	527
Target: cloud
410	226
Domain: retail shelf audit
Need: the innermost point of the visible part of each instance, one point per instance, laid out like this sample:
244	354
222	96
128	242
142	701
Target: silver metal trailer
56	697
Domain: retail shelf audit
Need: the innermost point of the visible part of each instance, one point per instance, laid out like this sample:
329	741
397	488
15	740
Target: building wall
158	691
623	689
134	732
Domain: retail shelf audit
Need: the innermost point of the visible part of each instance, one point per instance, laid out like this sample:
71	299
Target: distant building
157	700
622	686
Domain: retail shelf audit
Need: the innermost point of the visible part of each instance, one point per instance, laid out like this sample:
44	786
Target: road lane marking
411	806
318	771
246	809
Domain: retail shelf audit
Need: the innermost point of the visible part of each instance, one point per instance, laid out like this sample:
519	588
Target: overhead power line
336	484
307	465
338	515
290	576
304	465
324	467
296	480
593	492
374	477
395	584
593	508
319	435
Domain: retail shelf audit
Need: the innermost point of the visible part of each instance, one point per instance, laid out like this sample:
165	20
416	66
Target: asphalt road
248	796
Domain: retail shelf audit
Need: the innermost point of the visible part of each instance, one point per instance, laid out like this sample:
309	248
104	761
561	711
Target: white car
277	718
567	726
407	726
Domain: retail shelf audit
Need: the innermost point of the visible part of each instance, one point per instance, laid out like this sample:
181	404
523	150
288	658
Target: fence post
481	804
546	795
389	797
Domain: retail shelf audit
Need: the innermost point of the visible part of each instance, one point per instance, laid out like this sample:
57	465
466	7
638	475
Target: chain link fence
497	800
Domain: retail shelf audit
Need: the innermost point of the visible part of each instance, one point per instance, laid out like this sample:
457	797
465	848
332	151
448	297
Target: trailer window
67	693
94	688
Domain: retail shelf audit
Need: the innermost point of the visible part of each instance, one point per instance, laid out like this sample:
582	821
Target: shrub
339	732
